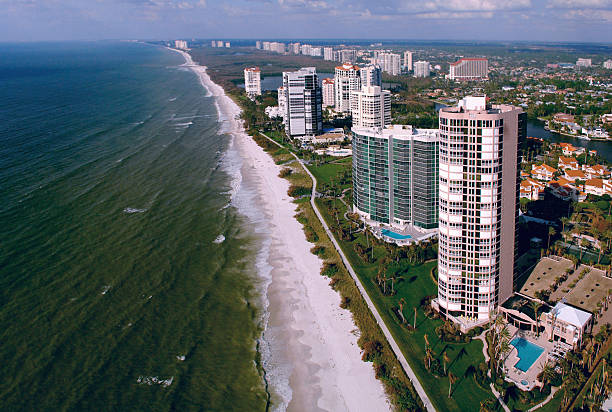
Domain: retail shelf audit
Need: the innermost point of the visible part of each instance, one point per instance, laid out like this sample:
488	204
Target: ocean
129	277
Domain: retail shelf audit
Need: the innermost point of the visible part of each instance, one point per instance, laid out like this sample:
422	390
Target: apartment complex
303	99
408	61
583	62
469	69
422	69
252	82
328	53
328	92
395	175
180	44
371	75
371	107
479	195
347	78
390	63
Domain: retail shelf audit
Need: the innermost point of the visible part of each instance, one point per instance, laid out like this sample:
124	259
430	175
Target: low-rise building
543	172
531	189
569	149
595	171
573	175
567	163
565	190
567	324
597	187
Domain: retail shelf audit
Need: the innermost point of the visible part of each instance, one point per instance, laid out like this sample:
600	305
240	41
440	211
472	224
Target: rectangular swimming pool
393	235
528	353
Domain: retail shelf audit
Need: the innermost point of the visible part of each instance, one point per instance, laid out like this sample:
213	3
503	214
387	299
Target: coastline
309	344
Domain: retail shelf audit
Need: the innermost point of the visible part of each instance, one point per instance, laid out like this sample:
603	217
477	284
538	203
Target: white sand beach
314	360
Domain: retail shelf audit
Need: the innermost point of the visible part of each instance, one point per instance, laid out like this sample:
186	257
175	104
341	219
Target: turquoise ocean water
127	279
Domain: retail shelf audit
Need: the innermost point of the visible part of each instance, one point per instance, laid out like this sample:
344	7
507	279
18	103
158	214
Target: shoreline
310	353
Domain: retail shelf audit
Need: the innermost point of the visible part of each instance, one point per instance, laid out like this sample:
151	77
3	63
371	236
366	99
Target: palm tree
535	305
583	245
415	311
451	380
445	360
488	405
547	374
402	302
551	232
564	221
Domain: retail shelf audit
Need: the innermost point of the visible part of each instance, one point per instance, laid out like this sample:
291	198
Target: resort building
252	82
408	61
329	98
479	196
469	69
303	99
371	75
395	178
346	79
567	324
371	107
422	69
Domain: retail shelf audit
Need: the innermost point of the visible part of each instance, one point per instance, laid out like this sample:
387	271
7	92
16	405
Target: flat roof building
304	100
252	82
371	107
469	69
347	78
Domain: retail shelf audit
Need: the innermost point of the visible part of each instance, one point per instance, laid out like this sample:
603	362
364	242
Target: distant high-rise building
282	102
346	79
328	53
305	49
395	175
583	62
252	81
304	101
328	92
294	48
347	55
469	69
220	43
422	69
213	43
408	61
180	44
315	52
227	44
390	63
258	44
479	197
607	64
371	75
371	107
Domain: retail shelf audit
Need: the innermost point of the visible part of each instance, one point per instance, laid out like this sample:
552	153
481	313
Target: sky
480	20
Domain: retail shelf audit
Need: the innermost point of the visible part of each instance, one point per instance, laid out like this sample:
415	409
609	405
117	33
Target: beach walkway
394	346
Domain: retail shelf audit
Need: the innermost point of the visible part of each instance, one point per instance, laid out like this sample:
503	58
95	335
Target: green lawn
334	173
414	283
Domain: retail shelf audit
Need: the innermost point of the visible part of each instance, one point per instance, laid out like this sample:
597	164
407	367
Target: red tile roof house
595	187
543	172
569	149
563	189
567	163
531	189
574	174
595	171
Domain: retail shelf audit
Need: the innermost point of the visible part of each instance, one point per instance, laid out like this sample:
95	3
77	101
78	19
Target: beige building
252	82
328	92
371	107
347	78
479	196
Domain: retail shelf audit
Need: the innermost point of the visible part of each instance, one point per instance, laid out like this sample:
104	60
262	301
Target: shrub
329	269
371	350
317	250
285	172
297	191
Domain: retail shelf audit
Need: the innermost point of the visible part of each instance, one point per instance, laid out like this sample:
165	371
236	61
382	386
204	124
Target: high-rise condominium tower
422	69
371	107
328	92
252	81
303	100
479	195
347	78
408	60
395	175
371	75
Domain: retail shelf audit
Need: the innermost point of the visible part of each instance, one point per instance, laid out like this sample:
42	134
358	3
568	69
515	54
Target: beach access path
394	346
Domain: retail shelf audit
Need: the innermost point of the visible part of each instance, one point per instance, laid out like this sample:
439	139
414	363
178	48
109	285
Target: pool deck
416	234
531	376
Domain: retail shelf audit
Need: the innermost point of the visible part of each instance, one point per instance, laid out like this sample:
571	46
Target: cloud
577	4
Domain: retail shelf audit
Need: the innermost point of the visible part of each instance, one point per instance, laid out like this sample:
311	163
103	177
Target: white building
408	61
371	75
328	53
607	64
346	79
390	63
220	43
303	100
328	92
258	44
180	44
347	55
479	196
252	82
213	43
469	69
227	44
583	62
422	69
371	107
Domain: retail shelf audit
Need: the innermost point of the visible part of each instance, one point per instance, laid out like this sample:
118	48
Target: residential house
565	190
567	324
570	150
594	171
543	172
531	189
597	187
573	175
567	163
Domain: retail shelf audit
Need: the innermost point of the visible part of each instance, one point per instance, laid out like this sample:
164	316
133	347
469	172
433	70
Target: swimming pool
393	235
528	353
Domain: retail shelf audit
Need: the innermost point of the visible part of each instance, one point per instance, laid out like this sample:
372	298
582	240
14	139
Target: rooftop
570	314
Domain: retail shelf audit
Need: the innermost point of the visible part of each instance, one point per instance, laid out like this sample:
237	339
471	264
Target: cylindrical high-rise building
479	195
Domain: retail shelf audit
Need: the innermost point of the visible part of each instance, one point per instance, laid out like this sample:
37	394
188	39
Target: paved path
394	346
499	398
553	390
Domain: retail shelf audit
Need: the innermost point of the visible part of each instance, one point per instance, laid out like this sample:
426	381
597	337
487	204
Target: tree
564	221
488	405
583	245
535	305
551	232
402	302
445	360
451	380
547	374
